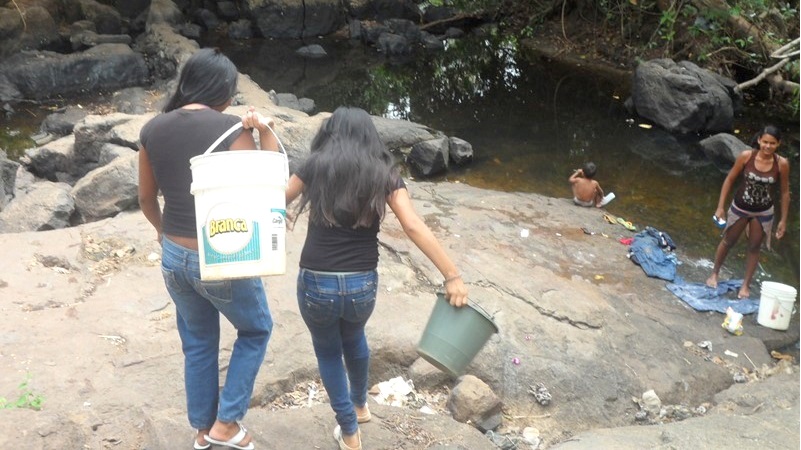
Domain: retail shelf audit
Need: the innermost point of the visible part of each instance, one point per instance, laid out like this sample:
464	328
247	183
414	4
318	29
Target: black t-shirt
171	139
340	249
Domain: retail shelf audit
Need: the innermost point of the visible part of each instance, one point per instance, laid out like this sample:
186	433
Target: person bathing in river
760	171
586	191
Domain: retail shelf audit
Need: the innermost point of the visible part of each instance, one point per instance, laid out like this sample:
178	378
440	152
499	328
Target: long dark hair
349	172
208	77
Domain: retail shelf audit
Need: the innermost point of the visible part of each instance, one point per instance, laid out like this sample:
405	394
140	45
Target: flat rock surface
89	330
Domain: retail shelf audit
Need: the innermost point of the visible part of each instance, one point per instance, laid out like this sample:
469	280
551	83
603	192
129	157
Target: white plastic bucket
776	305
240	209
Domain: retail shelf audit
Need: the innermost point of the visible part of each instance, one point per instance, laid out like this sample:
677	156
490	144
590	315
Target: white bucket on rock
776	305
240	209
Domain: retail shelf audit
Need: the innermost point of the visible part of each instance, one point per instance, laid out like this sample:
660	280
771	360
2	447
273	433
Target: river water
531	122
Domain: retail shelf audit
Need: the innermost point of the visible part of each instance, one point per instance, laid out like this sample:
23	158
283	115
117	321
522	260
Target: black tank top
754	193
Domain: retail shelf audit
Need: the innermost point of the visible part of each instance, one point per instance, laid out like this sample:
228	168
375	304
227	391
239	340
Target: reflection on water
531	123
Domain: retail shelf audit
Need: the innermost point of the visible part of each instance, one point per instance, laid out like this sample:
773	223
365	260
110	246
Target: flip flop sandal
234	441
628	225
610	218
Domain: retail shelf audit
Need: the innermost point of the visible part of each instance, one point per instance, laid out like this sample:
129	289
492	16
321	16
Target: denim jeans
335	307
198	306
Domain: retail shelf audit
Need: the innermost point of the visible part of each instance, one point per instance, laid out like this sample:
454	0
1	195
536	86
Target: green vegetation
27	399
732	37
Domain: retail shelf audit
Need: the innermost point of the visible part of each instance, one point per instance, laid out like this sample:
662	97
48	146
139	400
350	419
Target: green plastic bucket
454	336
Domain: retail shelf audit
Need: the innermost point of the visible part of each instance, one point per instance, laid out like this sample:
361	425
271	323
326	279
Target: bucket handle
237	126
473	305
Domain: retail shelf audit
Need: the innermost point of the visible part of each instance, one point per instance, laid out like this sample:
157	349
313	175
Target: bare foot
745	292
712	281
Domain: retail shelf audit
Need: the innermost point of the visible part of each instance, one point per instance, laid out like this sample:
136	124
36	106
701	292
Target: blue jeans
198	306
335	307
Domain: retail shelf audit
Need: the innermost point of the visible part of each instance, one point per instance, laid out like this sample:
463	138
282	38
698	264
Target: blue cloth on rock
650	249
704	298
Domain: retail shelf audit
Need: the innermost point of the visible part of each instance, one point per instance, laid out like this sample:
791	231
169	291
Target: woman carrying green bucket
346	183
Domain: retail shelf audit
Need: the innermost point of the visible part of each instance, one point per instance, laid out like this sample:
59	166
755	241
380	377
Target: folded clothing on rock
704	298
652	249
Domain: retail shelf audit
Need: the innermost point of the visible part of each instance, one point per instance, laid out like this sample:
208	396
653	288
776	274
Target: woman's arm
424	239
293	189
148	193
731	178
784	176
244	141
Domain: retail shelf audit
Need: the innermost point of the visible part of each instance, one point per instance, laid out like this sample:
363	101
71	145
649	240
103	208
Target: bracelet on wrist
449	279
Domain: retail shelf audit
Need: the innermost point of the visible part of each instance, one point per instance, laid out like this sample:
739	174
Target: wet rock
105	67
312	51
723	149
460	151
292	101
393	44
228	10
240	30
429	157
682	97
63	121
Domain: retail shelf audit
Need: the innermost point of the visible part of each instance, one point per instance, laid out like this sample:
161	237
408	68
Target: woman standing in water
346	183
192	120
761	171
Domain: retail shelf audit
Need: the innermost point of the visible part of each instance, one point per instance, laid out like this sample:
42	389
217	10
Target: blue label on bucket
250	252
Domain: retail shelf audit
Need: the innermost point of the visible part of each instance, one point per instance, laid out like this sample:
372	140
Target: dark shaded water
531	123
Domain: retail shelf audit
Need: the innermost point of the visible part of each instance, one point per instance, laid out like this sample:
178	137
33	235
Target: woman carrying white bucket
192	120
346	183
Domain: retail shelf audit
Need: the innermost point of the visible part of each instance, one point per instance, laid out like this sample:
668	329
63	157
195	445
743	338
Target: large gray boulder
8	176
43	75
107	190
429	157
723	149
53	161
288	19
47	206
682	97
